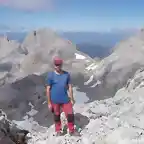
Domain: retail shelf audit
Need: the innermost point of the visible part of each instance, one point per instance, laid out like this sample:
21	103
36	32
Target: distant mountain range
92	43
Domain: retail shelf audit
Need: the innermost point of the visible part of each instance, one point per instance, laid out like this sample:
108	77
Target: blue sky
72	15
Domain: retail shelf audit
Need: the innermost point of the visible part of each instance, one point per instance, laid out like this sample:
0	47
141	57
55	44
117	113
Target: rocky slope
114	70
117	120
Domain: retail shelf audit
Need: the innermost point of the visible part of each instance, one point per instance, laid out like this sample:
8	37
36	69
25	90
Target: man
60	95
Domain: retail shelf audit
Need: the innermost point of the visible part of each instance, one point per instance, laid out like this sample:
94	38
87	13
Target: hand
72	101
50	106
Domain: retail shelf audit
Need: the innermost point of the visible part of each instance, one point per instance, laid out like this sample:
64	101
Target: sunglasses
58	65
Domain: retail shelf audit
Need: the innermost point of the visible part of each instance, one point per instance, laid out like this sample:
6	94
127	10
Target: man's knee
56	118
70	117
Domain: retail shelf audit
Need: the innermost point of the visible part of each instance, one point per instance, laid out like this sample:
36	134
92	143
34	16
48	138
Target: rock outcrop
10	133
114	70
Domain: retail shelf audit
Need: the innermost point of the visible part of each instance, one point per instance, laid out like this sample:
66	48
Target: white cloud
28	5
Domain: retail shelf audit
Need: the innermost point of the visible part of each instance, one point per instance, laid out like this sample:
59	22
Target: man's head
58	62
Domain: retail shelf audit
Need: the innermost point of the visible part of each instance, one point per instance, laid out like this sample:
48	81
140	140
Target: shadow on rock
10	133
25	95
81	120
13	137
4	139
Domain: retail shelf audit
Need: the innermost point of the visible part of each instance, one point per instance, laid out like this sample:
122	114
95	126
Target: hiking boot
75	133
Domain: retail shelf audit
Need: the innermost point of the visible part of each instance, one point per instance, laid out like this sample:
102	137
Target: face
58	67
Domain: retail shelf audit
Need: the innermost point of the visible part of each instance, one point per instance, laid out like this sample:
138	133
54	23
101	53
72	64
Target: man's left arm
70	89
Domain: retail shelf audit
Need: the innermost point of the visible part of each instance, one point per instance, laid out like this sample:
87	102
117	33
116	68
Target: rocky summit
117	120
108	92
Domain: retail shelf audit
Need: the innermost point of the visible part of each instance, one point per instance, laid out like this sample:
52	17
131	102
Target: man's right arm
48	93
48	88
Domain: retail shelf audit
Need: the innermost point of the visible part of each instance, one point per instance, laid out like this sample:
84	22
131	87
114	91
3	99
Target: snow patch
90	80
44	102
28	124
32	112
92	66
97	83
78	56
